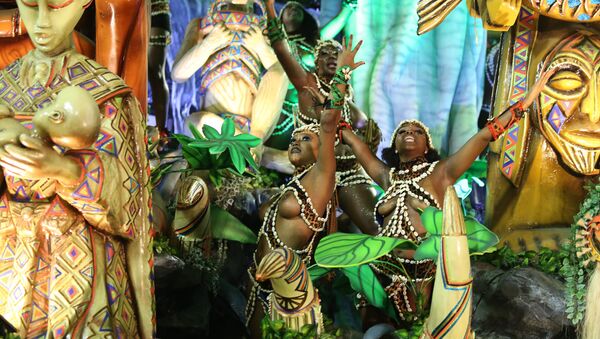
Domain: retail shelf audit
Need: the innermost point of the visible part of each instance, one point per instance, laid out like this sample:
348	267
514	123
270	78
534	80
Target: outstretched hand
538	87
348	54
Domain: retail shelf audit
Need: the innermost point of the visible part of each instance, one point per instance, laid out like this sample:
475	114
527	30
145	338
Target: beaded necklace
405	183
308	213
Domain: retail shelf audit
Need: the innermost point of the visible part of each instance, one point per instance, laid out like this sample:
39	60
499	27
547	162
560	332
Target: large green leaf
479	237
345	250
226	226
316	272
363	280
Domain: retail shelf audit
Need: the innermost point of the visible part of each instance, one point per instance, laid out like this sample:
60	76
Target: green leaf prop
363	280
226	226
479	238
217	150
316	272
345	250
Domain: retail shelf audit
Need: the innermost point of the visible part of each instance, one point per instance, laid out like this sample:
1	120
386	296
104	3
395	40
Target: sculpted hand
348	54
37	161
219	37
255	39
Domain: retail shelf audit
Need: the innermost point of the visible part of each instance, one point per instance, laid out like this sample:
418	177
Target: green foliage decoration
214	150
227	227
574	271
346	250
161	246
276	329
479	238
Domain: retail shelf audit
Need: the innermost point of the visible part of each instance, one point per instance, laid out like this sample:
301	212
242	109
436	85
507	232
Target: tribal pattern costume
76	261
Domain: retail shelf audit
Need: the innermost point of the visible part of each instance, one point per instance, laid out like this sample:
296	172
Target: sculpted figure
353	188
413	178
121	39
293	291
72	121
77	256
294	218
537	171
240	75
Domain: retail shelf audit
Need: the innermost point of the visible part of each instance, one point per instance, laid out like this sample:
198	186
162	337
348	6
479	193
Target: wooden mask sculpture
538	169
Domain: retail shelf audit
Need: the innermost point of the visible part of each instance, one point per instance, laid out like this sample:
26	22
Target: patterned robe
76	261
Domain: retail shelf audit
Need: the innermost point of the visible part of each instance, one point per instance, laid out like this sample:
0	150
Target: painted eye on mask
566	81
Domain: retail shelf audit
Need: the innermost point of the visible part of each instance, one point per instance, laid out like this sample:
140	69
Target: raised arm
458	163
359	118
337	24
375	168
297	75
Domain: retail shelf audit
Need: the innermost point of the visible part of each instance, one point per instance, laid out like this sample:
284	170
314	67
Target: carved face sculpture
50	23
568	10
72	120
569	104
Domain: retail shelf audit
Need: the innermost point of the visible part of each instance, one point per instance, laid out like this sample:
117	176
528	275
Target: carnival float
299	169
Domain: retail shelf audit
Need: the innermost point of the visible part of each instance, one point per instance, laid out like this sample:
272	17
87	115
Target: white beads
403	186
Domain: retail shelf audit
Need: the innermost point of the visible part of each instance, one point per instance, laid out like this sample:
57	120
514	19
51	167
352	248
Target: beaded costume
348	171
404	185
268	231
300	46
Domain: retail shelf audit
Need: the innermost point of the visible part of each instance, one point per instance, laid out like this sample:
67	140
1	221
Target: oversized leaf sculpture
209	151
317	272
479	237
226	226
346	250
363	280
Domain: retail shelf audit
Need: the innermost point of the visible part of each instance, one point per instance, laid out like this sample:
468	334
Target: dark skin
157	57
305	149
355	200
411	143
